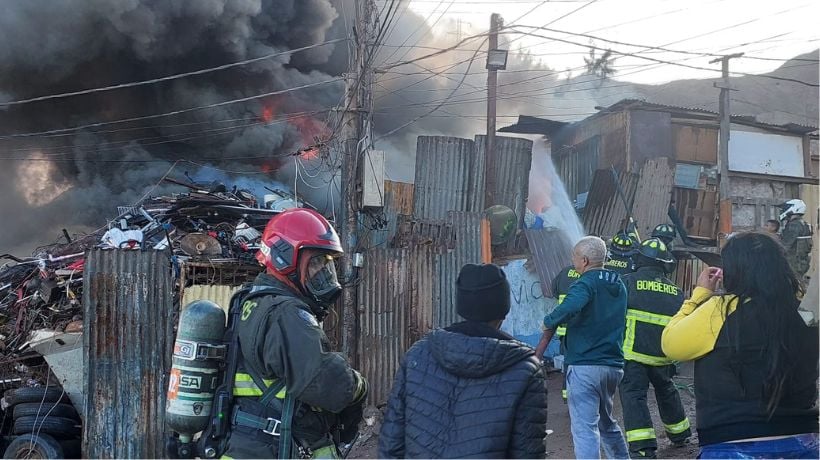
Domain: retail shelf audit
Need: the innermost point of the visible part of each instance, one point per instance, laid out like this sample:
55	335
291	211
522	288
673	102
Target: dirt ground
559	441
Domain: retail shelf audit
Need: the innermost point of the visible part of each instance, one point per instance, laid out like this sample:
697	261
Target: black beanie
483	293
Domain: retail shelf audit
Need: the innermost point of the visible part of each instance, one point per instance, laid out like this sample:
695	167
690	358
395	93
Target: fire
310	153
311	129
267	114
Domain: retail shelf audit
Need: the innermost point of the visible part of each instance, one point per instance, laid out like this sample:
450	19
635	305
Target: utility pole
355	134
725	191
492	89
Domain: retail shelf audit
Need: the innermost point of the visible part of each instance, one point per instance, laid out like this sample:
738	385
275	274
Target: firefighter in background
287	372
560	288
621	248
666	233
652	300
796	237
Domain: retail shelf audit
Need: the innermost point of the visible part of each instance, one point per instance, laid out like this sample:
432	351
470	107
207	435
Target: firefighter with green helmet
560	287
621	249
652	300
294	396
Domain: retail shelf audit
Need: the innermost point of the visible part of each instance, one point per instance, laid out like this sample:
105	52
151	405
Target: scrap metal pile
209	223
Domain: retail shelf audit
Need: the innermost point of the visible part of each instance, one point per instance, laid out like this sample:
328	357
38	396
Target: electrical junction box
372	167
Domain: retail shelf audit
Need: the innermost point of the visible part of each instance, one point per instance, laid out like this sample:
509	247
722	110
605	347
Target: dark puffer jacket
467	391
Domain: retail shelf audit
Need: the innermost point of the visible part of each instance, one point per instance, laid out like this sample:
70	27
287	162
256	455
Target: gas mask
321	281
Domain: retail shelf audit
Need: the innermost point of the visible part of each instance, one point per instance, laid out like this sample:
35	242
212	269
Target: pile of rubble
208	223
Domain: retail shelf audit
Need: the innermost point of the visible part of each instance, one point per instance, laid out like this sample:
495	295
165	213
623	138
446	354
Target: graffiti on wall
528	303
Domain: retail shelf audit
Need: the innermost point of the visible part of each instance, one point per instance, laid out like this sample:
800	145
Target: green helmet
655	249
665	232
622	244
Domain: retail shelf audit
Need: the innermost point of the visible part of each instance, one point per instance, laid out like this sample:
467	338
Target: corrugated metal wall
444	167
512	172
551	251
604	213
467	228
395	310
128	312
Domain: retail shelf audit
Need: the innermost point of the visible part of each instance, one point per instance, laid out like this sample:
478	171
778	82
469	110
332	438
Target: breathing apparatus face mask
321	281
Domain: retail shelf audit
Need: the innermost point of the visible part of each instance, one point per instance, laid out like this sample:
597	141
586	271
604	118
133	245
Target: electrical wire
175	112
167	78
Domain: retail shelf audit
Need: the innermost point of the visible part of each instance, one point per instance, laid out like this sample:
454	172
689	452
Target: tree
601	66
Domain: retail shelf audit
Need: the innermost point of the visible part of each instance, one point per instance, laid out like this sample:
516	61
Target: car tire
34	395
49	409
34	446
60	428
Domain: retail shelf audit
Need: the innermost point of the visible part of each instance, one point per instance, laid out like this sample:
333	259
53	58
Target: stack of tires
45	424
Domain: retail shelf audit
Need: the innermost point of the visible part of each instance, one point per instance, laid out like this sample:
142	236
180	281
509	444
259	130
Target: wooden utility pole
725	190
355	134
492	89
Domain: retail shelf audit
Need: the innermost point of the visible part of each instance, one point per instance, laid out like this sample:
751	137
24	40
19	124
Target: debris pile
209	223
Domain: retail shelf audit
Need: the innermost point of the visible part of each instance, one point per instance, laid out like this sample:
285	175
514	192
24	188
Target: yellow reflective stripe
561	331
632	355
561	298
564	394
225	457
629	335
679	427
243	385
646	317
641	434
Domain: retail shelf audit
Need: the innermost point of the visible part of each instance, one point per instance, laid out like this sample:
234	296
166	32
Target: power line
166	78
650	47
172	113
635	55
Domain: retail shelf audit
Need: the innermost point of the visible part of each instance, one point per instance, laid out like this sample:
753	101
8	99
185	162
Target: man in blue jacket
595	311
470	390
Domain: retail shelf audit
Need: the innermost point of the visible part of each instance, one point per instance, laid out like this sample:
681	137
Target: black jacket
467	391
652	300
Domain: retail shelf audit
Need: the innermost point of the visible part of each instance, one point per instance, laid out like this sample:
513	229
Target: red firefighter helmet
291	231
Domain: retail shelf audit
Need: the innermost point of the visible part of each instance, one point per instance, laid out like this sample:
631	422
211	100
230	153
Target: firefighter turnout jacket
652	300
280	338
619	264
560	287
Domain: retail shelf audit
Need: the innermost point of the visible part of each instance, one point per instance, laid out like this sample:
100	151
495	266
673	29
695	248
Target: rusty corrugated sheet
395	310
551	251
128	311
447	170
398	200
467	228
604	213
412	232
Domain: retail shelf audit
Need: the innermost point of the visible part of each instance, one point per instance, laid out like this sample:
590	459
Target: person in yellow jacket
755	359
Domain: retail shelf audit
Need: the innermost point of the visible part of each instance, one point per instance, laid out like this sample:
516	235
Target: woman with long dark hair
756	361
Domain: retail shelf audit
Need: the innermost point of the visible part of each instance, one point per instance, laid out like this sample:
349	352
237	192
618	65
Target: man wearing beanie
595	312
469	390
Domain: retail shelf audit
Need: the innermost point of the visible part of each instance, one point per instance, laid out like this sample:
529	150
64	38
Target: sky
770	29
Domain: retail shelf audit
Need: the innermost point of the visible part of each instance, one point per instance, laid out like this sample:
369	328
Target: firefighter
652	299
621	249
560	288
287	372
796	237
667	233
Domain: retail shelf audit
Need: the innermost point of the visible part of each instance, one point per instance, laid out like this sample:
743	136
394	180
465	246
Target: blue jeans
798	446
590	390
